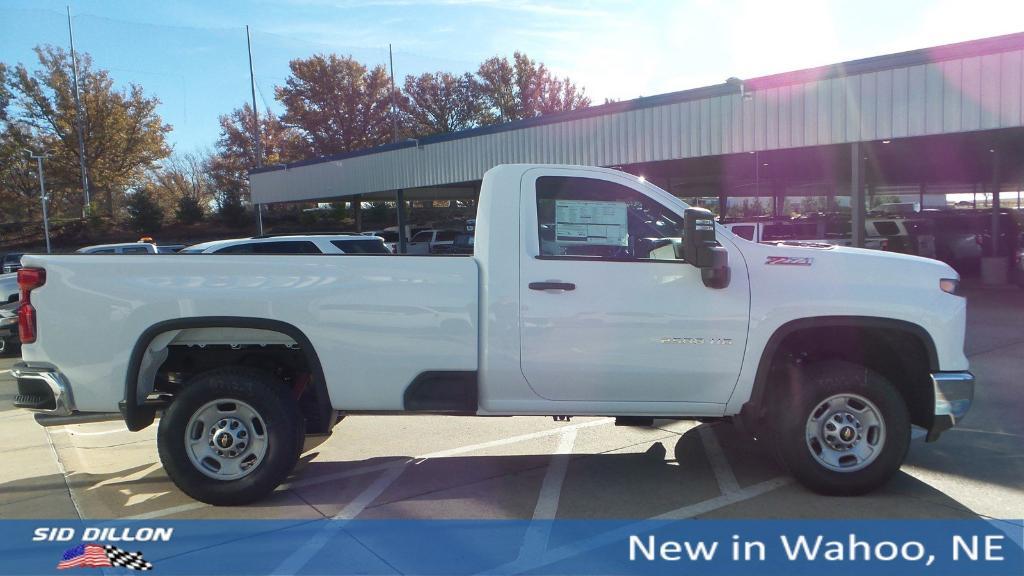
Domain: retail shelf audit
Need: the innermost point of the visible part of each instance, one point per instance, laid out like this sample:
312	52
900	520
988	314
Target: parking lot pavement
449	467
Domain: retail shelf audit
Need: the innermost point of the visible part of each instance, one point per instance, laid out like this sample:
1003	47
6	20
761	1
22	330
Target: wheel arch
138	416
753	411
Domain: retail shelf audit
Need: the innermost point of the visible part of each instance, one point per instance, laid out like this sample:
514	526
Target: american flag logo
96	556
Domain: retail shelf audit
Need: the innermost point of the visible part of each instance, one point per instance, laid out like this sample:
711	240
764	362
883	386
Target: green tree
441	102
522	88
124	136
230	209
143	212
337	104
189	210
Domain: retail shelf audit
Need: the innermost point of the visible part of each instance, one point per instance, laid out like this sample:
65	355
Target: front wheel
844	432
231	436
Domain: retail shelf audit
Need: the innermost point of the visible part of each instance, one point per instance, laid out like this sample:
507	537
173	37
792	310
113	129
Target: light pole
42	194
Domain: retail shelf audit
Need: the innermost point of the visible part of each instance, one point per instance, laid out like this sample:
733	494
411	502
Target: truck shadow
678	475
639	482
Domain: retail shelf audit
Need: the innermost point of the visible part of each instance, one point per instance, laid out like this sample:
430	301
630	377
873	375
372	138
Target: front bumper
42	389
954	393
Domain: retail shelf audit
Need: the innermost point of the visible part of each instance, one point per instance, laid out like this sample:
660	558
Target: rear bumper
42	389
954	393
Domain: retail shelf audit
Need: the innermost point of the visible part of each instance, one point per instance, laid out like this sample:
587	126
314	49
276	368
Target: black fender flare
138	416
752	410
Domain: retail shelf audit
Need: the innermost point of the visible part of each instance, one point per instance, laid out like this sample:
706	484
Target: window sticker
594	223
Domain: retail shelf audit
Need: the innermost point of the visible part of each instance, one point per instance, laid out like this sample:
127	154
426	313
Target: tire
260	415
844	432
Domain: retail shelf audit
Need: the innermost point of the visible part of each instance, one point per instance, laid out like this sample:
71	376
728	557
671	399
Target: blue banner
569	547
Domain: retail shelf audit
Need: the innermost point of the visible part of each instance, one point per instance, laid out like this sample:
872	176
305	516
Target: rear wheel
845	431
231	436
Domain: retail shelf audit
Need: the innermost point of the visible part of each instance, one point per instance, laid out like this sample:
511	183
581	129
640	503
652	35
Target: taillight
28	280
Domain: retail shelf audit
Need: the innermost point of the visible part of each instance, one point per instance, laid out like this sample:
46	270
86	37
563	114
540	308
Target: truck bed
378	321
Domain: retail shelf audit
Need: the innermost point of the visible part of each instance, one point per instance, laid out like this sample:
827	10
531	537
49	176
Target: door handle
552	286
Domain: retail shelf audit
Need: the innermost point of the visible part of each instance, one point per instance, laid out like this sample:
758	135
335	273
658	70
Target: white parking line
326	478
611	537
719	463
298	559
535	541
66	430
167	511
313	481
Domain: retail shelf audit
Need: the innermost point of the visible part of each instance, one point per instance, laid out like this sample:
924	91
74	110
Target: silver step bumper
42	389
954	393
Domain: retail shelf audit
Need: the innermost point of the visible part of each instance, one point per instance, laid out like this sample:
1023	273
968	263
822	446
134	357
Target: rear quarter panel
376	321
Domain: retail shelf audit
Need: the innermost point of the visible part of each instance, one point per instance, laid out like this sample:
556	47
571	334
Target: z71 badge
788	261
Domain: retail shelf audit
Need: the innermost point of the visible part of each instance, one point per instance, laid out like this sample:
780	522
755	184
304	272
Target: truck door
607	311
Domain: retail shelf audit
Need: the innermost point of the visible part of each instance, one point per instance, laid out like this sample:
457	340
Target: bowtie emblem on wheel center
847	434
224	440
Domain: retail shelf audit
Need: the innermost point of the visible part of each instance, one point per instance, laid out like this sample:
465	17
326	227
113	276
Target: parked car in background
9	342
905	235
431	241
123	248
169	248
895	209
824	231
962	237
463	244
294	244
12	262
9	290
390	238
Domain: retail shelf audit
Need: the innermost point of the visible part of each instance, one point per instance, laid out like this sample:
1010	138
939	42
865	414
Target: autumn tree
235	153
337	103
183	184
439	103
522	88
123	134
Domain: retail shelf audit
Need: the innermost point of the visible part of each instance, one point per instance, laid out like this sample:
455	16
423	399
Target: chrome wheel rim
226	439
845	433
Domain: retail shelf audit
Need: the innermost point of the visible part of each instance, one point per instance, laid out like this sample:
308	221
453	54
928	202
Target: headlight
949	285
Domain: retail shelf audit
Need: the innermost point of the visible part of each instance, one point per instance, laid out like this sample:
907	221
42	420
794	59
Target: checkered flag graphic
129	560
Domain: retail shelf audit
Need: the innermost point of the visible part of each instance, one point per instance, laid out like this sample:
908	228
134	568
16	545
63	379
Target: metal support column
400	201
997	184
857	210
357	211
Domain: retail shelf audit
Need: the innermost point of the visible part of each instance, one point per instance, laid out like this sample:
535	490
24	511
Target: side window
422	236
595	218
103	251
285	247
745	232
446	236
236	249
369	246
134	250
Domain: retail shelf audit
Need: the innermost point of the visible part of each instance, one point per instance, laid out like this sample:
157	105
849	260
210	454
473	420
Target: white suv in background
122	248
294	244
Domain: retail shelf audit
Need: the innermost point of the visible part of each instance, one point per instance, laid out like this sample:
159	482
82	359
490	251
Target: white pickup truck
590	292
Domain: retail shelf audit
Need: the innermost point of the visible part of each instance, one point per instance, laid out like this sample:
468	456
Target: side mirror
701	248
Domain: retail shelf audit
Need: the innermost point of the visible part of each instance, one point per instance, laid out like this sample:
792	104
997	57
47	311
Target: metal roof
975	85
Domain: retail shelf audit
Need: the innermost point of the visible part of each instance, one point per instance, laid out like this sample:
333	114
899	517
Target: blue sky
192	54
